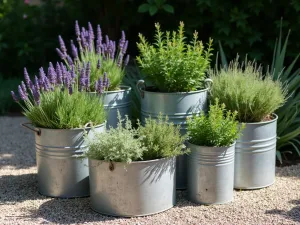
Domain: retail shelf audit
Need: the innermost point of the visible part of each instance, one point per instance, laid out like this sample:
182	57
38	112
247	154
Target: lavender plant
102	55
55	100
171	64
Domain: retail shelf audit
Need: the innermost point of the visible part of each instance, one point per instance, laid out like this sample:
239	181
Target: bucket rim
123	89
275	117
136	162
202	146
71	129
176	93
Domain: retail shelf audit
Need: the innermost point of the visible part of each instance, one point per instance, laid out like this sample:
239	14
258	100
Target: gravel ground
20	202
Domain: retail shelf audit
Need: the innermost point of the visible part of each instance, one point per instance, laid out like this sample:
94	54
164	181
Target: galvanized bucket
255	155
178	106
210	174
135	189
115	101
60	172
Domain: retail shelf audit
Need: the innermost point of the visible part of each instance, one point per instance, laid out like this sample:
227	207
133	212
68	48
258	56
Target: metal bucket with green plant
176	70
59	115
106	62
211	160
255	96
132	170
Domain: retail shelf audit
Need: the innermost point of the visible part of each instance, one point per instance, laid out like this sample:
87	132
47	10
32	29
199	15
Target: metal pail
210	174
136	189
60	172
255	155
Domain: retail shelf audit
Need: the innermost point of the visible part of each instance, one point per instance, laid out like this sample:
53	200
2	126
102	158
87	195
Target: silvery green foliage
120	144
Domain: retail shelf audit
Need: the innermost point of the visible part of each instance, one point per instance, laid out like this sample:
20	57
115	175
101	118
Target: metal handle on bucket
141	87
208	83
30	127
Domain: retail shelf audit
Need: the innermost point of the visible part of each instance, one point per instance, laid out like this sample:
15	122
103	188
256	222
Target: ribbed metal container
178	107
114	101
135	189
60	172
255	155
210	174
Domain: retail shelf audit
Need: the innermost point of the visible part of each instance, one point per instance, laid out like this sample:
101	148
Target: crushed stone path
20	202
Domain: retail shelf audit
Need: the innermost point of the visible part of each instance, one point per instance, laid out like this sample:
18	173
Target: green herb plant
171	64
155	140
243	88
218	129
161	138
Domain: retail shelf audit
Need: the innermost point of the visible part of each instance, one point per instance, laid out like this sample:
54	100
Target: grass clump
217	129
155	140
171	64
243	88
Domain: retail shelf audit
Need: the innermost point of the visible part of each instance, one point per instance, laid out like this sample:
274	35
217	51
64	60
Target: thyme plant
218	129
171	64
103	55
54	101
155	140
243	88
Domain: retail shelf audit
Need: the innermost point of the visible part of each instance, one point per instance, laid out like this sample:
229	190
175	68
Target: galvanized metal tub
115	101
178	107
255	155
135	189
60	172
210	174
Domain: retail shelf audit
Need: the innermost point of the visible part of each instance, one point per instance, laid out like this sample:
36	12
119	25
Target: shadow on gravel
293	214
18	188
288	171
67	211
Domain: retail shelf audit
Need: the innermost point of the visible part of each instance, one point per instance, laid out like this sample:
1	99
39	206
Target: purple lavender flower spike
42	73
59	74
104	79
36	95
122	41
100	86
27	78
62	45
22	93
99	34
69	59
125	48
14	96
52	76
126	60
60	54
73	74
64	70
36	83
77	29
98	64
91	31
23	87
46	84
87	75
74	51
98	47
82	79
120	59
106	40
83	40
67	80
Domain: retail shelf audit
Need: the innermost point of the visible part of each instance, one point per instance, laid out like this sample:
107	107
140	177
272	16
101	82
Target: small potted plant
178	86
211	160
106	62
243	88
59	115
132	170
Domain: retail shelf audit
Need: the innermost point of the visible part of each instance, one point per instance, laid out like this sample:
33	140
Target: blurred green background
29	28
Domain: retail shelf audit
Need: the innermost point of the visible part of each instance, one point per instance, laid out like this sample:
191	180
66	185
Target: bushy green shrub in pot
211	160
100	68
243	88
59	115
132	171
177	72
